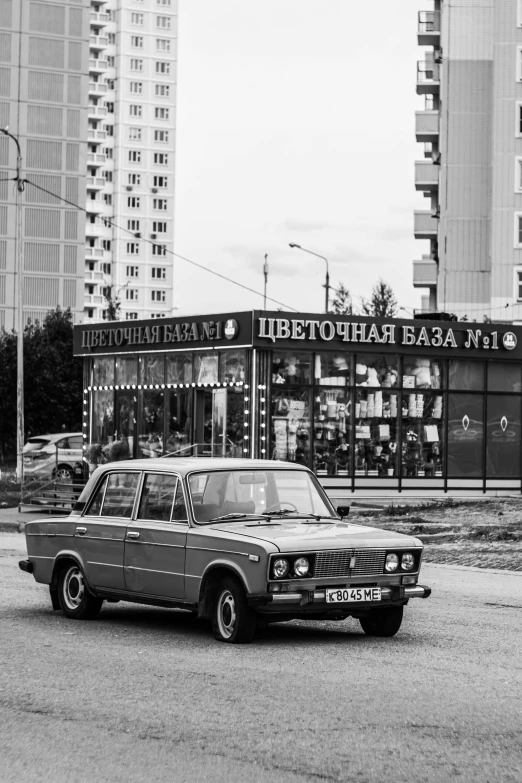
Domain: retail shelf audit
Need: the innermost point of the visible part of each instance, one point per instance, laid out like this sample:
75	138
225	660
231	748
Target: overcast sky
295	124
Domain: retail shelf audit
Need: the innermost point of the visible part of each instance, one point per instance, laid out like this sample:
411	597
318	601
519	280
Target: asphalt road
147	694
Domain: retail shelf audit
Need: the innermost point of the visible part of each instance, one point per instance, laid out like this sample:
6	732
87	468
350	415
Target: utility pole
19	319
265	272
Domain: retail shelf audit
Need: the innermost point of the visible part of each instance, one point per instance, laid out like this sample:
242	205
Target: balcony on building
95	205
95	159
95	136
428	77
98	20
98	229
94	277
425	273
93	253
428	30
98	65
96	112
427	126
95	183
98	42
426	175
93	299
97	88
425	224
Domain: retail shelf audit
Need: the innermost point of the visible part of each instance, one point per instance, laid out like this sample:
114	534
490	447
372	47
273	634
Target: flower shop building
373	406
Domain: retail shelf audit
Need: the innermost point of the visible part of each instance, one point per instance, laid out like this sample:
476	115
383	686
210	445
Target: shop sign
275	329
158	334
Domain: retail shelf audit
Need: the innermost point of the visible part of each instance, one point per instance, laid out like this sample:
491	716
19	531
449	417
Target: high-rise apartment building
130	157
43	84
471	77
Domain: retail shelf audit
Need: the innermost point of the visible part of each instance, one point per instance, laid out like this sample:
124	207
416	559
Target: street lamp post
19	314
327	280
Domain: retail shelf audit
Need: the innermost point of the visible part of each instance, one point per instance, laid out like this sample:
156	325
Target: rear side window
75	442
95	505
120	495
157	496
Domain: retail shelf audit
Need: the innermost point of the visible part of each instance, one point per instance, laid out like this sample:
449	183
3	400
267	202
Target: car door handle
133	534
81	530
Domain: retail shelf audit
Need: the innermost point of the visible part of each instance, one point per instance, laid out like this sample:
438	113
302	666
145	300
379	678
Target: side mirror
343	511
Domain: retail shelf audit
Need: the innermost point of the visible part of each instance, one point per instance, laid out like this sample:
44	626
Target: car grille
368	562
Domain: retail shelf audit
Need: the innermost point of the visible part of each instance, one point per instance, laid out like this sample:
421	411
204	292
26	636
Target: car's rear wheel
75	599
382	622
232	619
63	473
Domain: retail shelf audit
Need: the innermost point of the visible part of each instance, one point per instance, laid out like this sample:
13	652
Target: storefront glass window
235	429
466	375
103	371
376	416
125	426
291	368
179	423
206	368
465	435
503	437
179	368
152	369
150	436
291	425
232	366
504	377
421	373
331	433
103	417
422	435
376	371
332	369
126	370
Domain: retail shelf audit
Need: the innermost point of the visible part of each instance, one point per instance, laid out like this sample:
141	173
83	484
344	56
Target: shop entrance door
219	421
211	418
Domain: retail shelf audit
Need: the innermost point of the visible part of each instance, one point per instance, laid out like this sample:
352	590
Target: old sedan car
242	542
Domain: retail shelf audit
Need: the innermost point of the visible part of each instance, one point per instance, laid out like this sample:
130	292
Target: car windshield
35	444
223	495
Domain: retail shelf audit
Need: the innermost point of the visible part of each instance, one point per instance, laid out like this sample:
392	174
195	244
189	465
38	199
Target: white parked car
53	456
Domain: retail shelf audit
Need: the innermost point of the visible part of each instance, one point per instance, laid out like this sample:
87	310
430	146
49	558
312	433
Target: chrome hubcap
73	588
226	614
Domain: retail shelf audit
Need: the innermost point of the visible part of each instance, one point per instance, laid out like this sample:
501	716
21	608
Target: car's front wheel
63	473
382	622
75	599
232	619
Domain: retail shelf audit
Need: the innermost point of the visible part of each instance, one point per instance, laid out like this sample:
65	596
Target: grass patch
9	492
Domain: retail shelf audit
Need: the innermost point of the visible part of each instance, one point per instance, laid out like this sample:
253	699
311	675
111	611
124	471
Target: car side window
95	505
120	495
63	443
76	442
157	496
179	512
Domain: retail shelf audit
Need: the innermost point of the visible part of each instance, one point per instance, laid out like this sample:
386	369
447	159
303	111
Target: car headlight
280	568
301	566
407	561
392	562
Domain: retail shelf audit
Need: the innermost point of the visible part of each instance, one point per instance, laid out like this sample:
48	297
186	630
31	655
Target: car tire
232	619
75	599
382	622
63	473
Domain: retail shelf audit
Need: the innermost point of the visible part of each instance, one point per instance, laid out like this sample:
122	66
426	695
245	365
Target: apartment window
107	151
159	272
90	312
157	315
518	229
111	63
135	134
136	65
133	202
107	197
107	268
90	290
135	110
163	2
162	90
518	175
162	67
159	203
137	19
131	294
133	225
519	12
160	182
162	45
162	136
131	316
134	179
137	41
106	244
91	265
110	107
163	22
133	248
158	296
132	271
159	250
159	226
161	158
134	156
518	131
161	113
111	38
136	87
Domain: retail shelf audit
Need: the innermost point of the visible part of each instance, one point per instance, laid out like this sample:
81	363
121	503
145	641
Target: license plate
348	594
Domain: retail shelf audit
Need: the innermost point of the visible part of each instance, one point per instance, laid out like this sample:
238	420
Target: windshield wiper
284	511
233	515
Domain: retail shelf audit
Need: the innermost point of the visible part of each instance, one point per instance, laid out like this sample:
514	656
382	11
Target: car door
99	534
155	541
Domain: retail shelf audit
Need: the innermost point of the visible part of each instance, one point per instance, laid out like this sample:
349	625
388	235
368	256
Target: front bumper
316	599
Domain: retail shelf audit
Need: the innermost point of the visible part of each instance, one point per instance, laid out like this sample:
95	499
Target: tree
342	304
112	311
53	380
382	303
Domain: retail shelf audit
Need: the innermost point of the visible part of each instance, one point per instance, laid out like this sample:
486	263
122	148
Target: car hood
290	536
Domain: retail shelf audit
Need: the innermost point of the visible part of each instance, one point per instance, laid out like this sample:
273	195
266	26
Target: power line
109	222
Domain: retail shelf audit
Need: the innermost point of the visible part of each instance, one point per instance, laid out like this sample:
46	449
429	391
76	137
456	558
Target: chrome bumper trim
319	596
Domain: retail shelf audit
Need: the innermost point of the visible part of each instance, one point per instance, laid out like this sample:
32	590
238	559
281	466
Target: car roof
186	465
